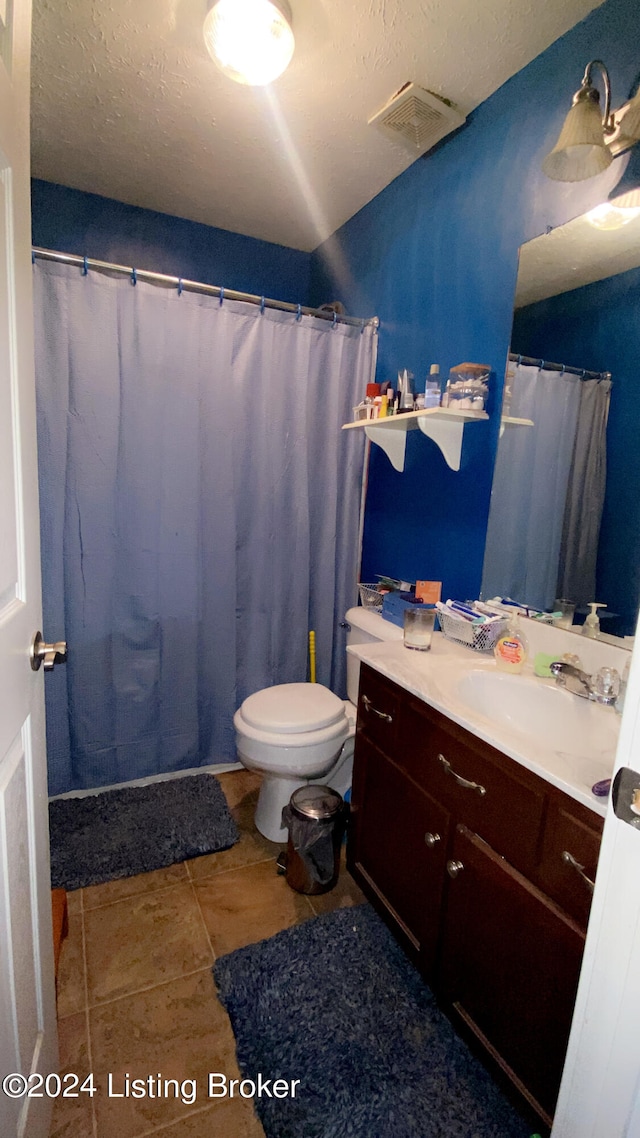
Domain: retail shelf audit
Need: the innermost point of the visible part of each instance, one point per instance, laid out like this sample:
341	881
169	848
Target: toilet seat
292	730
300	714
292	709
290	739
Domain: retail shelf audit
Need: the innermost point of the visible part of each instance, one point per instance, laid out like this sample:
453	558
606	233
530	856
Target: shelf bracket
447	435
393	443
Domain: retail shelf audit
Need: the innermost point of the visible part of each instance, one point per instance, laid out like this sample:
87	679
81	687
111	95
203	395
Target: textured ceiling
574	255
126	102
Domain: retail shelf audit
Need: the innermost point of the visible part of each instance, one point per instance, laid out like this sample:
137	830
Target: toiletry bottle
432	388
591	626
511	648
404	389
373	392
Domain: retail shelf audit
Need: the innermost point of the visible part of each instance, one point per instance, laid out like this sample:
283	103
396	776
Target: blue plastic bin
394	605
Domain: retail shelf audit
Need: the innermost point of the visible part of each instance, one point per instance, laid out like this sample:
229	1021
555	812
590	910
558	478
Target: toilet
298	733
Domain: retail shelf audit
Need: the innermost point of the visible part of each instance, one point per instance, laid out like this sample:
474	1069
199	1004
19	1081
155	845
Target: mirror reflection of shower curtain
548	490
199	514
585	495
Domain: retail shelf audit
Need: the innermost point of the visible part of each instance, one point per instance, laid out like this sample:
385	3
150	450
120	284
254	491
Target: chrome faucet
603	687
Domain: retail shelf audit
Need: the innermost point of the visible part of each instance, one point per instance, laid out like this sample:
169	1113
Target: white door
600	1091
28	1042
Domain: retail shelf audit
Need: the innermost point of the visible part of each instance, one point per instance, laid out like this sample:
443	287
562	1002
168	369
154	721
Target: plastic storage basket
370	598
480	637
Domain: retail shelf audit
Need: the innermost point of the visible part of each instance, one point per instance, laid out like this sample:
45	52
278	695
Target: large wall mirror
565	505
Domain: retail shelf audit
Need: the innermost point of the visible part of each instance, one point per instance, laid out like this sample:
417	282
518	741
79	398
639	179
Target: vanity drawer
570	852
485	791
378	710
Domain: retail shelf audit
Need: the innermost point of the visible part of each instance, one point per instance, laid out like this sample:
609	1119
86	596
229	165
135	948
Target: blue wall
598	328
435	256
74	222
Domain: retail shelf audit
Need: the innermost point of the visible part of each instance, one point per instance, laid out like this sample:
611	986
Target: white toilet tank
365	627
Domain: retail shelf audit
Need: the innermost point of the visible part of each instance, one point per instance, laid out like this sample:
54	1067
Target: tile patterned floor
135	990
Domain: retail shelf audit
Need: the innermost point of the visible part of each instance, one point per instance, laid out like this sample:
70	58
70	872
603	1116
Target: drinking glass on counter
418	627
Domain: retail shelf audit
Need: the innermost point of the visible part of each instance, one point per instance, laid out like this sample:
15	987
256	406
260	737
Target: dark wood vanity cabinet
482	870
400	840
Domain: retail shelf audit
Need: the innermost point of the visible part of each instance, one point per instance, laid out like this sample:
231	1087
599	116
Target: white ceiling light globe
251	41
610	216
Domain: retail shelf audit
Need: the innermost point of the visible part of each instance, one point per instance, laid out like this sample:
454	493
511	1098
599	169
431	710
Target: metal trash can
315	818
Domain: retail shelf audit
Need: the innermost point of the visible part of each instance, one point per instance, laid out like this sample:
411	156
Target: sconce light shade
580	151
250	41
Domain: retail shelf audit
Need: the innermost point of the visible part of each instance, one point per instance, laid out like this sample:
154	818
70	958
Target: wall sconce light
589	140
250	41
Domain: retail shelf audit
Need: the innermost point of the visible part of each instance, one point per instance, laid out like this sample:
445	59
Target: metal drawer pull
569	859
368	706
459	779
454	868
431	840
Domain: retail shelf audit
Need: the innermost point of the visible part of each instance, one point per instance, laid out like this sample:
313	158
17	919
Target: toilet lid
292	708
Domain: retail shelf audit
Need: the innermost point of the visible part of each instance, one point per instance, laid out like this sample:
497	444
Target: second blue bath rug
335	1003
136	829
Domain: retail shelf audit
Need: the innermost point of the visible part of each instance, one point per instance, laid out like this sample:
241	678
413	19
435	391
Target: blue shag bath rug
136	829
335	1003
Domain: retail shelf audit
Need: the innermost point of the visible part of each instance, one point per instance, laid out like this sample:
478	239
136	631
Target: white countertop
435	677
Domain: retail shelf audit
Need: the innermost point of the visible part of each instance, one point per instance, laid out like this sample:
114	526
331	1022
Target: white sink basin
535	709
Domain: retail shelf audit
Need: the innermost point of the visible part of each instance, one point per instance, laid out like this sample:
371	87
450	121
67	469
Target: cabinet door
509	966
570	857
379	703
397	849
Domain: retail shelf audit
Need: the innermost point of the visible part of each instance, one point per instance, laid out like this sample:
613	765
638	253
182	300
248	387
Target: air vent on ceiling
417	118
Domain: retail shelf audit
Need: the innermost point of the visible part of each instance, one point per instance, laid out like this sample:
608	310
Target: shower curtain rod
537	362
87	263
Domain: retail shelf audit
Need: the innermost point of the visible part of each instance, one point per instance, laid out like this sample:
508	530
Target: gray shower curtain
548	490
199	514
585	495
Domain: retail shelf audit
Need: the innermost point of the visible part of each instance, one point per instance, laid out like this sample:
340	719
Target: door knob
431	840
454	868
47	654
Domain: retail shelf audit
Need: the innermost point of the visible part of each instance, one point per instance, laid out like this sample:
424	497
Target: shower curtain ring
85	266
262	307
134	276
33	256
180	286
562	371
221	294
519	360
335	320
299	316
541	365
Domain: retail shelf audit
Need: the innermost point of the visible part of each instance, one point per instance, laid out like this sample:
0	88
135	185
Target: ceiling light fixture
251	41
590	139
609	216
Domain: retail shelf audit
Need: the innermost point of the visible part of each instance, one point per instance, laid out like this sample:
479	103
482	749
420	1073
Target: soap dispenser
591	626
510	651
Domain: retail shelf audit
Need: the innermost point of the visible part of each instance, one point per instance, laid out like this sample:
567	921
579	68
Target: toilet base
275	793
273	797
